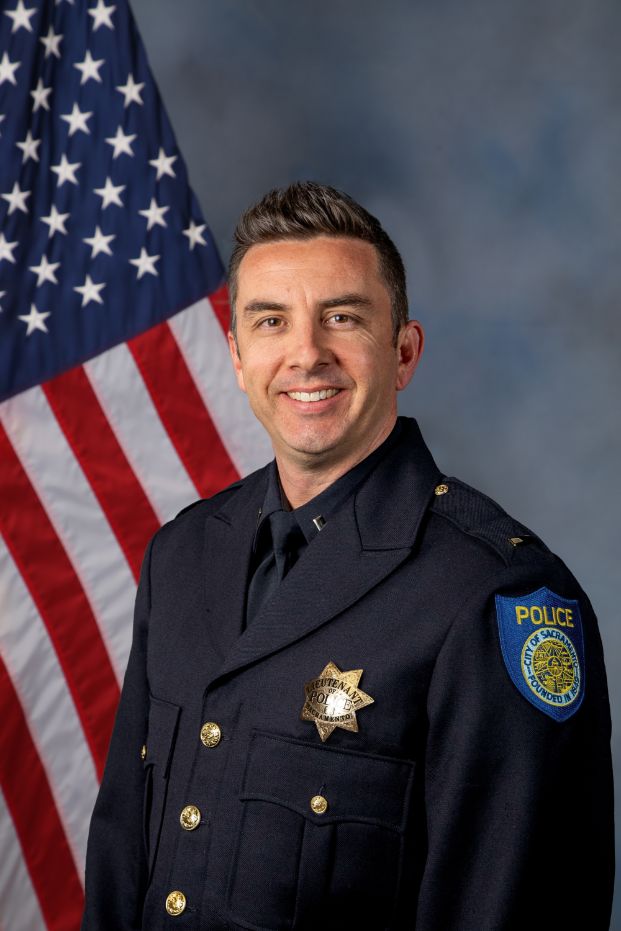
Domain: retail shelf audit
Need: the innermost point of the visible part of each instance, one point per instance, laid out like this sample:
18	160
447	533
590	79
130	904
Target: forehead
321	262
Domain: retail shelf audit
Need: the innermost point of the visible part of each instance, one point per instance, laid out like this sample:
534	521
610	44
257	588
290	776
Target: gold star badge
333	699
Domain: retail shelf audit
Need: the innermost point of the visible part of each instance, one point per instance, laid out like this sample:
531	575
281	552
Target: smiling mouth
308	397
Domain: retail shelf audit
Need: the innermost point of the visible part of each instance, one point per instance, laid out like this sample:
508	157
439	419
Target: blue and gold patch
543	649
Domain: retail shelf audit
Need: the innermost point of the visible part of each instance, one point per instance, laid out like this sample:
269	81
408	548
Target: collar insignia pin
333	699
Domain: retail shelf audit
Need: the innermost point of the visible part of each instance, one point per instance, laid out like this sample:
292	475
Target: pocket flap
357	786
162	731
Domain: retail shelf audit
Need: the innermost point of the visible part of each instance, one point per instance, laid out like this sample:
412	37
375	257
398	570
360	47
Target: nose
308	347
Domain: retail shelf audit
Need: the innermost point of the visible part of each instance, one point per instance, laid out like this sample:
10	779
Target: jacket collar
367	539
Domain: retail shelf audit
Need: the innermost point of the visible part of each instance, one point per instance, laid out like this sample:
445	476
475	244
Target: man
365	695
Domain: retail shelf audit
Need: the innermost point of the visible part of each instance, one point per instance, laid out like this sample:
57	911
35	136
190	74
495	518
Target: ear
233	348
410	344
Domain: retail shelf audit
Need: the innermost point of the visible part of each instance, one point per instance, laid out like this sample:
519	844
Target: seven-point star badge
333	699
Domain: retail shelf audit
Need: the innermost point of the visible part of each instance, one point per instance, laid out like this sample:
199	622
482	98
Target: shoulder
479	523
190	521
205	506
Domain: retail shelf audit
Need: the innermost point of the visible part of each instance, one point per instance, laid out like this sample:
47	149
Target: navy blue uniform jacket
458	805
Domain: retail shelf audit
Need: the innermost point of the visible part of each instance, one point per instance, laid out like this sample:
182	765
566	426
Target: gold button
143	752
515	541
175	903
210	734
319	804
190	818
441	490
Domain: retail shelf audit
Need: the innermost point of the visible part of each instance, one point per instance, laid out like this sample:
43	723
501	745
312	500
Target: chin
313	442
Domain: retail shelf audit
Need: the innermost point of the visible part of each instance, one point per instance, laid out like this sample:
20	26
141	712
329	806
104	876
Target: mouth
312	397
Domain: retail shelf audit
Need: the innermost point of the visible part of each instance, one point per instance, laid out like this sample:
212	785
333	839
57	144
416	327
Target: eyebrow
342	300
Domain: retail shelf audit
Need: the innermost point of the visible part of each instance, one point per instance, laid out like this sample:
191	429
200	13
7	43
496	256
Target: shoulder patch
543	649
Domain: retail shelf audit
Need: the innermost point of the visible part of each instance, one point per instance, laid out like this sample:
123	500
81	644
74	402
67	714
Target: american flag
118	407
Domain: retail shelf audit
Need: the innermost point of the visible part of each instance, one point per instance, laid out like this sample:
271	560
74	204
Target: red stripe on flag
37	823
219	300
181	410
61	602
104	463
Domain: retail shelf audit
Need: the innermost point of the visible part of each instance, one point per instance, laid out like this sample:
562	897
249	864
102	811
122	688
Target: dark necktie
287	542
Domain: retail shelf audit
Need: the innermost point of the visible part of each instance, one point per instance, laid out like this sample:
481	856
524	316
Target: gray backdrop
486	137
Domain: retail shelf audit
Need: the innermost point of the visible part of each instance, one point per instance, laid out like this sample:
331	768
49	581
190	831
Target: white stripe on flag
206	353
77	518
122	393
54	724
19	907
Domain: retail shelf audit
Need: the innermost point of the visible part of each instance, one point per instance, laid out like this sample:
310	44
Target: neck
303	480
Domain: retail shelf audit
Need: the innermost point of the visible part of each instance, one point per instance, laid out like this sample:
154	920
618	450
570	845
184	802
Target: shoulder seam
223	491
475	536
482	518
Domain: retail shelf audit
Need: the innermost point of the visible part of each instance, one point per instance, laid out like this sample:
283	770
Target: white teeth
307	396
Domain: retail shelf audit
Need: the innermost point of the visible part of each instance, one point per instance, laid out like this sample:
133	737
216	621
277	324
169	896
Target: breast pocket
320	837
162	732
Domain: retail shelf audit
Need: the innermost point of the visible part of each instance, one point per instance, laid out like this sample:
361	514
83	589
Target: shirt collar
312	516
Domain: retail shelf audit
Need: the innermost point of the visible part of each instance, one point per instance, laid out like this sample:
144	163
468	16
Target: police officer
359	693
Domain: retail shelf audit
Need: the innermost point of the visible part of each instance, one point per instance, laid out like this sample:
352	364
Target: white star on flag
29	148
2	118
2	294
131	91
90	291
99	242
77	120
8	69
121	143
21	16
154	214
102	15
89	68
194	232
164	164
46	271
40	95
17	199
51	42
145	263
35	320
66	170
55	221
6	249
110	194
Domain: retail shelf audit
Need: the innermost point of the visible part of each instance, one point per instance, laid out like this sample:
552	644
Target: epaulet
481	517
218	494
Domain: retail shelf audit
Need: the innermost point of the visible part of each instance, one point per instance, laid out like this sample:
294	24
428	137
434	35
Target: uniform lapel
229	535
369	537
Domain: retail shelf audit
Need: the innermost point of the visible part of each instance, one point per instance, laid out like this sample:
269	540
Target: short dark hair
307	209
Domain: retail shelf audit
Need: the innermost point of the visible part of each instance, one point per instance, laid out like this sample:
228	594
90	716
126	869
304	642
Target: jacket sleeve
116	870
518	804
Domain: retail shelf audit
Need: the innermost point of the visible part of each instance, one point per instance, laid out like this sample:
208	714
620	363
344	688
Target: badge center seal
551	667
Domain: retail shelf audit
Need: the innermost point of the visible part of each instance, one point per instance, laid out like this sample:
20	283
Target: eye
270	323
340	319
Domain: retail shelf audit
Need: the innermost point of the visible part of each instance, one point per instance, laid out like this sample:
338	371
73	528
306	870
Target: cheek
257	373
373	366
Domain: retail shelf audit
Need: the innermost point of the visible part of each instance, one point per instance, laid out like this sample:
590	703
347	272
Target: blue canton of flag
100	234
